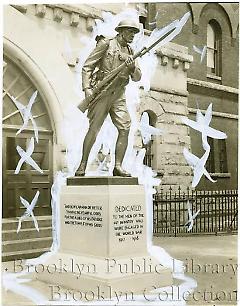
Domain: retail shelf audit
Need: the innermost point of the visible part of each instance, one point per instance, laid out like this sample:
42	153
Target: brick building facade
204	86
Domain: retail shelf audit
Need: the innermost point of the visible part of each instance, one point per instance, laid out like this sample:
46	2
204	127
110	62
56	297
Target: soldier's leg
122	121
121	147
96	118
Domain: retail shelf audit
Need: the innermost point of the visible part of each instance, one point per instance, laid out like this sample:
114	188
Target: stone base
103	239
107	275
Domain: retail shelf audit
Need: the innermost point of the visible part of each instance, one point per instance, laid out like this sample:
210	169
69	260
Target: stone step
7	256
12	223
26	244
26	233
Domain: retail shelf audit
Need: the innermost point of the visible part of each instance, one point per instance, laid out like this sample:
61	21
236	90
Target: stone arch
23	47
17	85
233	19
152	117
190	8
192	16
197	8
154	109
151	105
29	68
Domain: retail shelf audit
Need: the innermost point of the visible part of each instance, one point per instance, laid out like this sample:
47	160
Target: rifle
164	36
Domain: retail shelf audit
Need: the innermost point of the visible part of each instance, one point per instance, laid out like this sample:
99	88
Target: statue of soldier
108	55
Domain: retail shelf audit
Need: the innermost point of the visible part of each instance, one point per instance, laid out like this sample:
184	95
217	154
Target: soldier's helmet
127	23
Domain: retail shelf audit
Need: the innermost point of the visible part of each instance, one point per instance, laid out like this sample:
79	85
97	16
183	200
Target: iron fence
217	212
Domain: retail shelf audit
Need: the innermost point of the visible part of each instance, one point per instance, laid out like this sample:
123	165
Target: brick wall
225	100
171	11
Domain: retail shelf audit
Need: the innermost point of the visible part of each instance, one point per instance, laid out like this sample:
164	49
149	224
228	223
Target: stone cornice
171	52
212	86
178	53
20	8
58	11
85	10
216	114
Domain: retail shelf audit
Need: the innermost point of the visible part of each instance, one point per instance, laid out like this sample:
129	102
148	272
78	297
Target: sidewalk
210	260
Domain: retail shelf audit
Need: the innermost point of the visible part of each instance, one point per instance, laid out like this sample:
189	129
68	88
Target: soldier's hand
130	63
88	92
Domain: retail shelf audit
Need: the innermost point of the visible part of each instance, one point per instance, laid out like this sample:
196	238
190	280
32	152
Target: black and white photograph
120	153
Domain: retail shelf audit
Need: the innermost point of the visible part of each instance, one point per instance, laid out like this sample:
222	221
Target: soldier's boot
121	147
82	168
87	146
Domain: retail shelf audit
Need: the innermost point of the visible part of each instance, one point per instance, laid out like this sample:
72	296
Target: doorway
17	85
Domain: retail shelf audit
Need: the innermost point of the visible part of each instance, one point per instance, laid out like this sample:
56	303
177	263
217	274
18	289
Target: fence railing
218	212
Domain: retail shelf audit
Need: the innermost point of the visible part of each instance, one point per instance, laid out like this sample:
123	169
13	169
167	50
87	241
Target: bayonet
164	35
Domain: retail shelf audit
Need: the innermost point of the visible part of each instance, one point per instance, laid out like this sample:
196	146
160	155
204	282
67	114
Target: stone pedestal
103	239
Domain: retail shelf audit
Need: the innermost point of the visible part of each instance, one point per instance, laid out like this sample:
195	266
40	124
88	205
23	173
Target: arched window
18	85
214	42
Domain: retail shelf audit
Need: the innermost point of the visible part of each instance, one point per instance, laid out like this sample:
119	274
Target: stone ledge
172	96
101	180
172	108
221	175
176	52
216	114
183	93
212	86
135	280
214	77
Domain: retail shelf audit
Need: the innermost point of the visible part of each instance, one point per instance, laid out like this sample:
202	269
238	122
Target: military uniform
107	56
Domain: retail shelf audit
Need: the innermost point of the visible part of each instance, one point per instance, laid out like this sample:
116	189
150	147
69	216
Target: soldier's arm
136	74
92	61
135	71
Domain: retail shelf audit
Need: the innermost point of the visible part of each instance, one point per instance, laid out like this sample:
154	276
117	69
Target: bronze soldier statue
107	55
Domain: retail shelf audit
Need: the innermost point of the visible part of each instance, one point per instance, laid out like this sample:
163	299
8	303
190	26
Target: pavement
210	260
